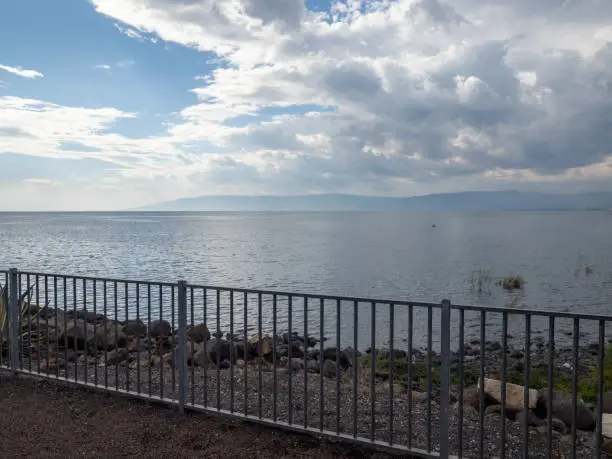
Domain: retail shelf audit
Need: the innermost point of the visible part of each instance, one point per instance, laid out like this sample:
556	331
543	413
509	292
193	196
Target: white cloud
30	74
103	66
125	63
403	97
41	182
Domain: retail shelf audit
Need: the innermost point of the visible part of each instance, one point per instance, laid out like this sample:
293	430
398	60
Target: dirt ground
42	419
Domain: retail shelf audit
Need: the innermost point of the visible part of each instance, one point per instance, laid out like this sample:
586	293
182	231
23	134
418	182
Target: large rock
160	328
198	333
515	394
294	352
331	353
117	356
79	336
351	354
245	350
84	314
263	346
109	338
471	398
134	328
200	359
562	409
219	350
606	425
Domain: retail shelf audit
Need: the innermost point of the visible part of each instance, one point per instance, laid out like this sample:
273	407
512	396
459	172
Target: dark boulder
160	328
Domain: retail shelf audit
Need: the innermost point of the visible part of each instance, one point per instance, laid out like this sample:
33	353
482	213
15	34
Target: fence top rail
317	296
534	312
99	279
377	301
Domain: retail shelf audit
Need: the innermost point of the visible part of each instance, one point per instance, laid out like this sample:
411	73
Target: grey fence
409	377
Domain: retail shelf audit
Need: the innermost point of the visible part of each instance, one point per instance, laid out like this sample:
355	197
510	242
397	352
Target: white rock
515	394
606	425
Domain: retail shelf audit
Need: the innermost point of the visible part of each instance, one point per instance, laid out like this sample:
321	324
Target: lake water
391	256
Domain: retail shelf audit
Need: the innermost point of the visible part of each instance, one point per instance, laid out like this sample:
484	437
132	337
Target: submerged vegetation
481	282
513	283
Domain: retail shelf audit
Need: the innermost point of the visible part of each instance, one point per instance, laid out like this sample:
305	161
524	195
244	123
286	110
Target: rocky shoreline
288	377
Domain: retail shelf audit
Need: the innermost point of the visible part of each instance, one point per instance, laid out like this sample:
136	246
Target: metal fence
403	376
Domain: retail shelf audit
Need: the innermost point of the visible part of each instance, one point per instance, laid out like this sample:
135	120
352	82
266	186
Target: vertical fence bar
13	317
305	362
105	306
600	391
444	376
410	319
391	368
149	343
274	376
191	350
75	341
56	326
575	350
373	373
65	343
321	360
182	341
355	366
232	350
29	298
19	299
205	312
503	383
526	384
6	318
137	339
245	301
46	306
126	306
290	387
38	324
85	327
338	367
481	397
95	331
116	336
218	350
551	375
172	337
260	356
461	382
160	343
429	375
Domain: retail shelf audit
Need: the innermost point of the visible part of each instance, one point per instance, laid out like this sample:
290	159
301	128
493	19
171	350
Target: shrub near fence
240	353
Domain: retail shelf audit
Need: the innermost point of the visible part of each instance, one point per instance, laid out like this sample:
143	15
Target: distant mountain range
472	201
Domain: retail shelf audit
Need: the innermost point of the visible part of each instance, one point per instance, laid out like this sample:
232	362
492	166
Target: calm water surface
376	255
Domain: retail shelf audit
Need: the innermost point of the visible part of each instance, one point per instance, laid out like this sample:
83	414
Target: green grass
419	371
538	379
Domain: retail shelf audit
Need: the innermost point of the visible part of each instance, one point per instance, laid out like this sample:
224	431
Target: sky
114	104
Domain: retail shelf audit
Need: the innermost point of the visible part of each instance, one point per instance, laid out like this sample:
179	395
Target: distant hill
465	202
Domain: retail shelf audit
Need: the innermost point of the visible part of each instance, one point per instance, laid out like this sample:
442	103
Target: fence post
182	342
444	376
13	320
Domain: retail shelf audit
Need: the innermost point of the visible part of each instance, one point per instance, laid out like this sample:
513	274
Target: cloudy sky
110	104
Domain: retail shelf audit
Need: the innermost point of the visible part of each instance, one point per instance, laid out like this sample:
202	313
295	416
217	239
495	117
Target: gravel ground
409	427
42	419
